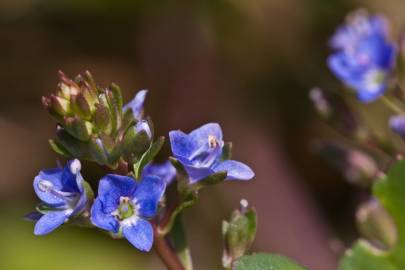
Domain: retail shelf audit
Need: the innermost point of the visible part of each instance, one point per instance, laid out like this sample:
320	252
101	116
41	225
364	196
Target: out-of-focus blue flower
136	104
123	206
364	57
62	192
165	171
397	124
200	153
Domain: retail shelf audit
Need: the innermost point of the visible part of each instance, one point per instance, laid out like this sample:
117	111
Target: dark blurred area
245	64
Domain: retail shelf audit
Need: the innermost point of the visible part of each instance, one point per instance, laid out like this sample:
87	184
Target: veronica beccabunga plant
95	125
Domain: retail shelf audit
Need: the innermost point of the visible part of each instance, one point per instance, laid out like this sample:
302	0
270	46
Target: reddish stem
166	252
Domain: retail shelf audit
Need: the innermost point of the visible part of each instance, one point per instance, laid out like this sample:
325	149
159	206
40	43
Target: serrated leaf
263	261
390	191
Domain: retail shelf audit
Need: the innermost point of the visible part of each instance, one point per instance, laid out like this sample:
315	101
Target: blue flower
63	194
165	171
136	104
364	57
397	124
200	153
123	206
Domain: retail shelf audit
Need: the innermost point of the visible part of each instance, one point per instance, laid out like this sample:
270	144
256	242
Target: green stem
166	226
178	237
392	105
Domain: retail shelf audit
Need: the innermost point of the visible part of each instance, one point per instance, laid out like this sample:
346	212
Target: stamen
44	185
47	186
212	141
127	209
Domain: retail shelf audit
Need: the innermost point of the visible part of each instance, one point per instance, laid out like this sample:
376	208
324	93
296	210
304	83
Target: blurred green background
245	64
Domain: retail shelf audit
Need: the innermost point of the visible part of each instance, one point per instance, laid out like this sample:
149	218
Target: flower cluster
364	56
94	125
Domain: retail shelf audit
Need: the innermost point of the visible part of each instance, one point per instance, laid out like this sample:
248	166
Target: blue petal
50	222
71	177
197	173
136	104
148	194
344	68
102	219
51	177
139	234
236	170
377	51
165	171
200	135
81	203
366	95
112	187
144	125
180	144
397	124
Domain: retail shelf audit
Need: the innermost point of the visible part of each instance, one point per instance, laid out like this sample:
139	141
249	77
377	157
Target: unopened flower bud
357	166
320	102
102	118
78	128
59	105
238	233
80	106
376	224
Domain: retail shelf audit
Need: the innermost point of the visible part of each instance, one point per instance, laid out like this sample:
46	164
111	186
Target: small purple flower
200	153
62	192
123	206
364	56
165	171
397	124
136	104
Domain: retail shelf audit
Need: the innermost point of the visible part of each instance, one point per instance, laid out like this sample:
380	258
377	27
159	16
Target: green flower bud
78	128
238	233
80	106
59	105
102	119
376	224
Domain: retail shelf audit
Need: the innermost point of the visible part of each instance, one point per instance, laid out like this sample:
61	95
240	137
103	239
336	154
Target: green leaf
58	148
148	156
263	261
390	191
